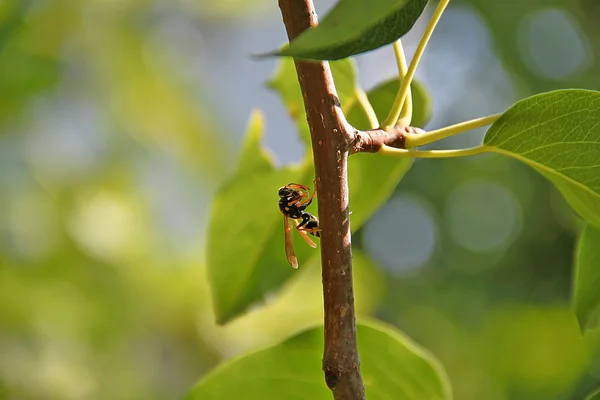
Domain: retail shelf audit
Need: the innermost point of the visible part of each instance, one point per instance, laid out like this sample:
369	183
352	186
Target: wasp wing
289	244
305	236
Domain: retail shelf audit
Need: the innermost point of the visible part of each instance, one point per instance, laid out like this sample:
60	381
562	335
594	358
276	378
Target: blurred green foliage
110	148
390	364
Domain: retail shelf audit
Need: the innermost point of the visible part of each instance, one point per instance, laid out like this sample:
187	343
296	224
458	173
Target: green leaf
354	27
345	77
245	219
586	296
392	366
369	283
585	203
594	396
558	134
285	83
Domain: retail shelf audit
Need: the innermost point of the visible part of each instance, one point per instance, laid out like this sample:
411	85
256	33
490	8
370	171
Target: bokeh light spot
105	225
482	216
552	44
402	235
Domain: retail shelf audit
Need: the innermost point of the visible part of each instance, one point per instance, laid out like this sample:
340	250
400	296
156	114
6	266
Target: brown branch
331	139
370	141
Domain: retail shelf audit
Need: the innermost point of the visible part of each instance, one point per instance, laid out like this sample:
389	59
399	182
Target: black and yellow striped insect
293	200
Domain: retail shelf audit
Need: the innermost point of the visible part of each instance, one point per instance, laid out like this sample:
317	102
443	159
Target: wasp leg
300	200
310	225
304	193
301	190
313	231
308	199
302	232
298	186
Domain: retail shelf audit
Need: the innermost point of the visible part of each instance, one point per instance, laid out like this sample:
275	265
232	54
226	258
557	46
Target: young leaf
354	27
586	296
392	367
557	133
285	83
244	219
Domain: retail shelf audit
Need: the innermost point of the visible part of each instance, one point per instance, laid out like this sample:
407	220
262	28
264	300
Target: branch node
331	378
370	141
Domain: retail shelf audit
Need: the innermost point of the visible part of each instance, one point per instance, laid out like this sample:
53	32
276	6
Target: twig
363	101
405	117
452	153
331	139
372	140
392	118
439	134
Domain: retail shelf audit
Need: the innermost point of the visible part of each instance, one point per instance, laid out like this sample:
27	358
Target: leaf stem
407	111
364	102
415	140
393	151
394	114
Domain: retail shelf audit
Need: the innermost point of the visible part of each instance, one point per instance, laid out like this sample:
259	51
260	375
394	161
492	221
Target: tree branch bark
370	141
331	138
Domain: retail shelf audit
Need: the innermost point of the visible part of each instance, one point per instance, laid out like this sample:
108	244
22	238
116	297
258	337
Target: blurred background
119	120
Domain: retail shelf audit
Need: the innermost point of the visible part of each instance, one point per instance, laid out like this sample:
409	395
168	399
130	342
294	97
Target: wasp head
286	191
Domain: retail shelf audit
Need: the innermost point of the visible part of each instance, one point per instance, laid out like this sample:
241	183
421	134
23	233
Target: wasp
293	200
